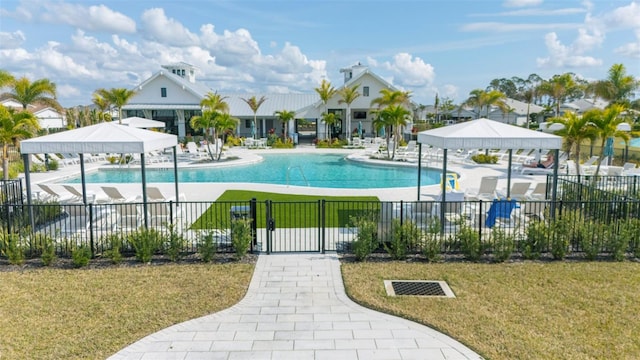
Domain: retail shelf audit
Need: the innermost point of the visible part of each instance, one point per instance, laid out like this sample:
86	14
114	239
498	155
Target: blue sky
425	46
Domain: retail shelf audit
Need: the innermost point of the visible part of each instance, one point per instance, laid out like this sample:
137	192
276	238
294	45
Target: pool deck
470	176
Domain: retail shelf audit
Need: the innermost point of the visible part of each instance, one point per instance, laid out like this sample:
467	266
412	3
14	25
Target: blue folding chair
500	209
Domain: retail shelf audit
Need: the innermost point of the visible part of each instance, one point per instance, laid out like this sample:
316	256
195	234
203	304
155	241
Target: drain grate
418	288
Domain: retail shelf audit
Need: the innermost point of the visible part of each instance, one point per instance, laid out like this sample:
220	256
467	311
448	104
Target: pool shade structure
488	134
108	137
142	123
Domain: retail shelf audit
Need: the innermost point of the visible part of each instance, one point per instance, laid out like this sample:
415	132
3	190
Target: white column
182	131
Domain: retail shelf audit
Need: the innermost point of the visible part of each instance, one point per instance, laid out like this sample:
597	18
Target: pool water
314	170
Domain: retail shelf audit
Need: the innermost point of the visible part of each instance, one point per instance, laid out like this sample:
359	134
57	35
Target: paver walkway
296	308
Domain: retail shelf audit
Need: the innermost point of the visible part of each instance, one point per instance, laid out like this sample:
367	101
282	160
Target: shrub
470	245
591	236
404	237
431	241
485	159
207	246
11	246
174	244
145	243
80	256
561	237
112	159
503	245
626	233
115	251
53	164
535	240
241	236
367	238
47	249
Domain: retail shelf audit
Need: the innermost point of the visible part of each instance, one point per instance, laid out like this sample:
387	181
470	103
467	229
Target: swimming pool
314	170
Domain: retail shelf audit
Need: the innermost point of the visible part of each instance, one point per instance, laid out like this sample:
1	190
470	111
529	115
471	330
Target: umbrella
360	128
608	149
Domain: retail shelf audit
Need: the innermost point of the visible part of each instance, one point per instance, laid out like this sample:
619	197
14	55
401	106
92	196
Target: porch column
182	130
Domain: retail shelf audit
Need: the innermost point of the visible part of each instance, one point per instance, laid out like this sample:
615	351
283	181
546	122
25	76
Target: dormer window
182	72
163	92
365	91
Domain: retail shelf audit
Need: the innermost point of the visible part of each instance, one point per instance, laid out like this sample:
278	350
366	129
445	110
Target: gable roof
198	89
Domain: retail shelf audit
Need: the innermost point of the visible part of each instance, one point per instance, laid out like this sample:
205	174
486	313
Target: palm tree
206	122
576	130
618	88
326	92
102	104
6	78
394	116
221	124
606	124
117	97
390	97
560	88
40	91
285	116
14	126
330	119
480	99
347	96
254	105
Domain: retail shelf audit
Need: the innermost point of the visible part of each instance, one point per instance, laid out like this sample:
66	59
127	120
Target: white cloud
231	46
63	65
157	27
409	71
631	50
93	18
11	40
521	3
565	56
449	92
624	17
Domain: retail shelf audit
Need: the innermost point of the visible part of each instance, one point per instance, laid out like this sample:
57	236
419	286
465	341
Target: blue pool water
315	170
635	142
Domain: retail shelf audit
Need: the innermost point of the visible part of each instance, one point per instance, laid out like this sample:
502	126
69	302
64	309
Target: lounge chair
91	196
154	194
518	191
53	195
539	192
114	194
486	191
501	213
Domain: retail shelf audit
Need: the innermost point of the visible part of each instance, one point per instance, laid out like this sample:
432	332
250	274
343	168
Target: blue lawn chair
500	209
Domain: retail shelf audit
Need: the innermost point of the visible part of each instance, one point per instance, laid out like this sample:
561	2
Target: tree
206	123
618	88
254	105
6	79
285	116
330	119
561	88
326	92
14	126
221	124
480	99
606	124
40	91
392	117
390	97
347	96
117	97
576	130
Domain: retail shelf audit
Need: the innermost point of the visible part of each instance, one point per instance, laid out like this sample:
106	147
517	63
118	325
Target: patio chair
77	195
154	194
501	212
114	194
130	216
454	210
518	191
53	195
486	191
539	192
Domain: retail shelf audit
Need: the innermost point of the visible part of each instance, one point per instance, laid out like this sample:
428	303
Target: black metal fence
605	227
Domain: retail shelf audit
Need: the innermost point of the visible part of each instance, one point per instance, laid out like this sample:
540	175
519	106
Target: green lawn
303	212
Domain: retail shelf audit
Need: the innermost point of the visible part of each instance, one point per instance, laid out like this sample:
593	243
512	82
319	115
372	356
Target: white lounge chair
114	194
486	191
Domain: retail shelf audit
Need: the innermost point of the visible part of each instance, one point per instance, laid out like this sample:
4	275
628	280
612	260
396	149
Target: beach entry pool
313	170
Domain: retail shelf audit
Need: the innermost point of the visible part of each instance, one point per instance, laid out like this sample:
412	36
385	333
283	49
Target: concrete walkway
296	308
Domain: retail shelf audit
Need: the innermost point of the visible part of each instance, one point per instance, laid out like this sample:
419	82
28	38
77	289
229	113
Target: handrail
301	173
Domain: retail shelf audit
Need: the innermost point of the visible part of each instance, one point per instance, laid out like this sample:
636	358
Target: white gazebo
488	134
108	137
142	123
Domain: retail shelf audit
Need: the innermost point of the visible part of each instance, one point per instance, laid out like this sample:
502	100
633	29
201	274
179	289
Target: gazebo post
175	173
144	190
554	190
509	174
27	179
443	197
84	183
419	168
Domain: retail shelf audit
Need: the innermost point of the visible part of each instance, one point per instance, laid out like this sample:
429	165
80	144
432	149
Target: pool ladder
301	173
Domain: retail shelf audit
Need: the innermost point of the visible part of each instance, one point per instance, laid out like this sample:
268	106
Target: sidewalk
296	308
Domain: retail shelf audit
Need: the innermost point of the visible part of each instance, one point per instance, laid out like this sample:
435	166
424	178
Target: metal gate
293	226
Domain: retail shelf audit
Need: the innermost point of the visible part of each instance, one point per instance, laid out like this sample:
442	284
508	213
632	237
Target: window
359	114
163	92
365	91
247	123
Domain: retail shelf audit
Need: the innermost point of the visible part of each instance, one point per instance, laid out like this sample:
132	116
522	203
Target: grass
527	310
91	314
530	310
304	213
